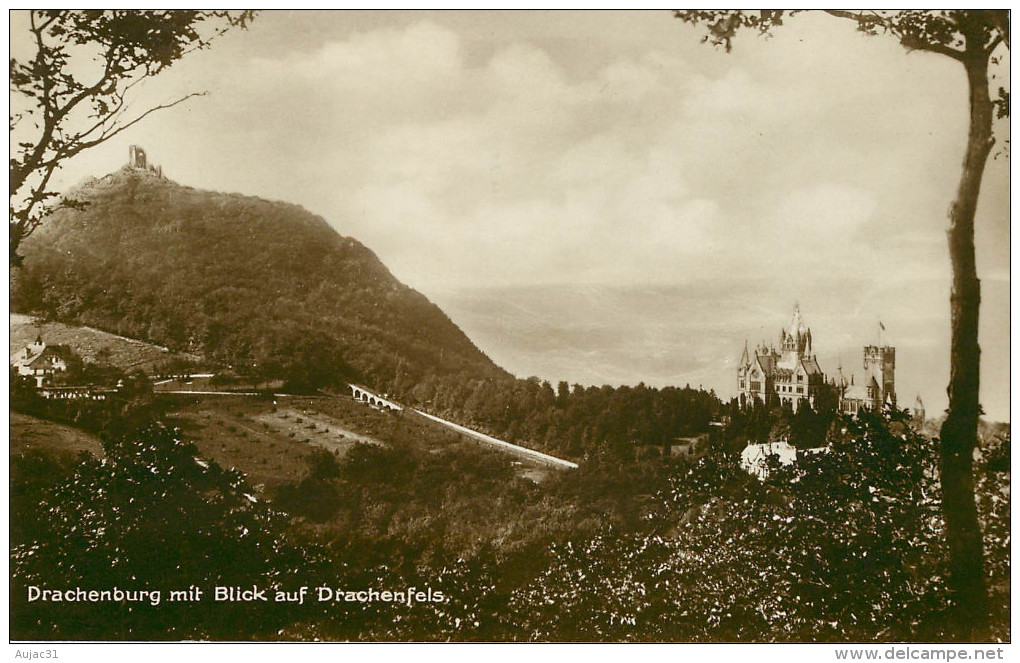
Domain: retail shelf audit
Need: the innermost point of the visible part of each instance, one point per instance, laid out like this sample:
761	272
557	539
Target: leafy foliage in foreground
844	546
151	515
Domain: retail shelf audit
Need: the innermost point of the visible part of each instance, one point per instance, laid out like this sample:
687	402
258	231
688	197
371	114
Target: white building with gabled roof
40	361
754	459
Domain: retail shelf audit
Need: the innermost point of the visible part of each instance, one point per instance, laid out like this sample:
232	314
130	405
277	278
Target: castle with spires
791	375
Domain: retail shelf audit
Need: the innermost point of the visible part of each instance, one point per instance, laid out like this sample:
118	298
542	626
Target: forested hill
262	286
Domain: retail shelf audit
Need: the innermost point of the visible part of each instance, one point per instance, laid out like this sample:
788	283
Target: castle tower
136	157
880	363
919	409
840	381
796	342
742	368
789	376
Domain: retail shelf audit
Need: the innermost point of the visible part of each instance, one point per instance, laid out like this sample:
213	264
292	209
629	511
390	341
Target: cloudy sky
506	149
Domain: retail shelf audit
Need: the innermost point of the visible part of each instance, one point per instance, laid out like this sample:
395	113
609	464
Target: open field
204	383
31	434
239	433
90	344
271	441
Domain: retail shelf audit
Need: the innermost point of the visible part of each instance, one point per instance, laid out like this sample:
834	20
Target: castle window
741	384
800	390
800	378
755	385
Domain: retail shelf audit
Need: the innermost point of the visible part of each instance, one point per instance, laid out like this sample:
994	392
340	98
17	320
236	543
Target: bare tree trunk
967	586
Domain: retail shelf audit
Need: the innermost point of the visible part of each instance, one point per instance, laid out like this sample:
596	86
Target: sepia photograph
489	326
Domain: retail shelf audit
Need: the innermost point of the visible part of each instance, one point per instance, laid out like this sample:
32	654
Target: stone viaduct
365	396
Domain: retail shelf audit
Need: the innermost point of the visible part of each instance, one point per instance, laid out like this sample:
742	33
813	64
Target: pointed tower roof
797	323
745	358
841	380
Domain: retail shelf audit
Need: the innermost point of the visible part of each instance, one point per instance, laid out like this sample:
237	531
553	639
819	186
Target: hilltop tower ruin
136	158
138	161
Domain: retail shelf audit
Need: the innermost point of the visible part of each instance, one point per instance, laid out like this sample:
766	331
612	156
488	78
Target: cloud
509	157
825	211
530	150
381	62
515	148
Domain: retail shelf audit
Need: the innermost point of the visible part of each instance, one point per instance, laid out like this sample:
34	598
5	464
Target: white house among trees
40	361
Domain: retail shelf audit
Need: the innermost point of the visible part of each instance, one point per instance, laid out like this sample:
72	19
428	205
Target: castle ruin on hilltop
138	161
791	376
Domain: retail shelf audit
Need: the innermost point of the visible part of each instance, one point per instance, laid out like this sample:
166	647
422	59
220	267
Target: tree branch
868	22
941	49
998	39
108	135
857	16
129	46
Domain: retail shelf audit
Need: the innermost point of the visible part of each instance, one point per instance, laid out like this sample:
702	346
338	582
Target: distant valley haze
694	333
597	197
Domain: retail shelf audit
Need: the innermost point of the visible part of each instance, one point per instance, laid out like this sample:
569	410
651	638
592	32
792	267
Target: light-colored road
502	445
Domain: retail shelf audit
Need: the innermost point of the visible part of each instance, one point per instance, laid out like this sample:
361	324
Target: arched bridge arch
363	395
